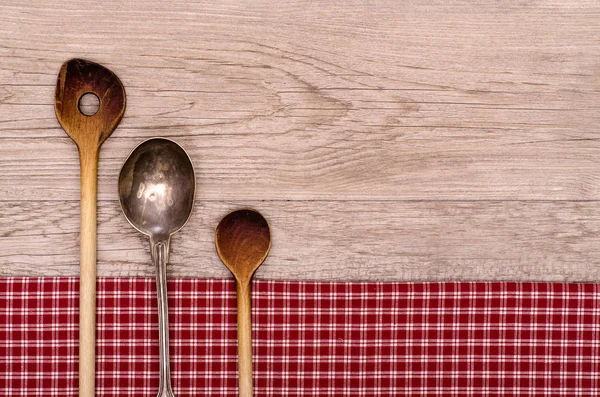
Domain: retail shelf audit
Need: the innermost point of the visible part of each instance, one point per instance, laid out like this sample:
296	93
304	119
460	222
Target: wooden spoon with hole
243	241
76	78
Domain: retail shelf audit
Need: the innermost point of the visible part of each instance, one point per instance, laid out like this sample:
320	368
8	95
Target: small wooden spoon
243	241
76	78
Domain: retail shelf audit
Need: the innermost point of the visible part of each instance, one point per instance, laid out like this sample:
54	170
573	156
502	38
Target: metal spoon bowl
156	190
157	187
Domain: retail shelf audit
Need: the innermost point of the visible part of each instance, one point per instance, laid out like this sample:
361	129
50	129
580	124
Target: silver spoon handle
160	251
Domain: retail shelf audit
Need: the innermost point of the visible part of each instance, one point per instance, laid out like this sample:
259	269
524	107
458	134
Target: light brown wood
334	240
244	332
87	274
243	241
447	120
76	78
448	100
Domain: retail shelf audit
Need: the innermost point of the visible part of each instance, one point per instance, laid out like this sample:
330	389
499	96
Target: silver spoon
156	191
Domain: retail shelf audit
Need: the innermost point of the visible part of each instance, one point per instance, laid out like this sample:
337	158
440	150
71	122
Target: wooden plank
351	100
357	167
550	241
383	140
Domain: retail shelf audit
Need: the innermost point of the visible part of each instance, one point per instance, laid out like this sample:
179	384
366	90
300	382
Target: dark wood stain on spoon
76	78
243	242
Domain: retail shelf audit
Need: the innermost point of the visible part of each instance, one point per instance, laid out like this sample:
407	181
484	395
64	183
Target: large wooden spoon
76	78
243	241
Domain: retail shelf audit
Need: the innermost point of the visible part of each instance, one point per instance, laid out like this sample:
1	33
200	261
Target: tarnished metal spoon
156	190
243	241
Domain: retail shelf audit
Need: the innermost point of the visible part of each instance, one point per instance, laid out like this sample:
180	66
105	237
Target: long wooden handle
244	318
87	277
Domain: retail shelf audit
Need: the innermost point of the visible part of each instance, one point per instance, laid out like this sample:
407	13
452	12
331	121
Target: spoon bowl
243	241
156	191
157	187
76	78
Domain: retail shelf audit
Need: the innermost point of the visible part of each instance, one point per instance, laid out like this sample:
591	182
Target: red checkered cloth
310	339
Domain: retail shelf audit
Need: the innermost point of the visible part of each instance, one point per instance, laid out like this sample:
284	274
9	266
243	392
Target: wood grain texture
243	241
76	78
416	241
483	114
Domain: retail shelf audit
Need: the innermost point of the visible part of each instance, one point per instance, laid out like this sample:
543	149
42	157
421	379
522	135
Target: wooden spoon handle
87	276
244	318
76	78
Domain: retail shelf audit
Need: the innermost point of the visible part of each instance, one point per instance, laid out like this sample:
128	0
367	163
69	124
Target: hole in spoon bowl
89	103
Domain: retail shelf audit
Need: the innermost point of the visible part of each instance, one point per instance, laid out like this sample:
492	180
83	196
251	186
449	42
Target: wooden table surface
382	140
